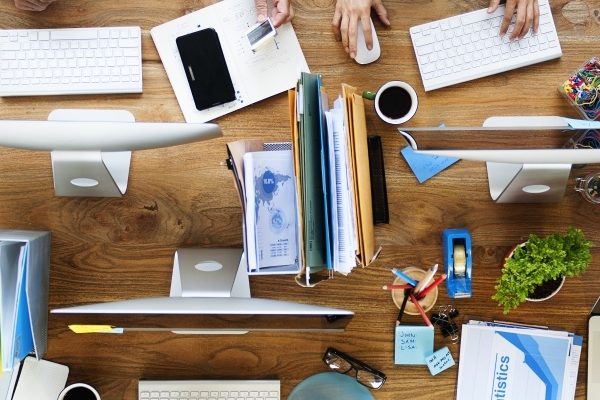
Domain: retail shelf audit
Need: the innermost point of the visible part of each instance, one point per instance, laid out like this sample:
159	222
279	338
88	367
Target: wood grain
109	249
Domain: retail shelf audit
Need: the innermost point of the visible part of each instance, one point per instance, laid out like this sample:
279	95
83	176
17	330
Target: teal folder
326	184
312	185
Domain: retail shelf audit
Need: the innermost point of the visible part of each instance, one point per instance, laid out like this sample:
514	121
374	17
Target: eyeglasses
343	363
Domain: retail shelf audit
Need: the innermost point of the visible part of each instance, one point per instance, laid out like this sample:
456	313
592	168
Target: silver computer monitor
91	149
210	294
528	158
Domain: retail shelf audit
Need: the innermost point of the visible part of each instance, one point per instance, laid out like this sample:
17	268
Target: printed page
270	176
512	364
256	75
346	230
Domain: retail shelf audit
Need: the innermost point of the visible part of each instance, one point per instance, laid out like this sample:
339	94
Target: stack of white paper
504	361
342	208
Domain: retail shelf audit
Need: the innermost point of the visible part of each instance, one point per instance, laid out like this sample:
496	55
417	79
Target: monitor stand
199	272
527	183
90	173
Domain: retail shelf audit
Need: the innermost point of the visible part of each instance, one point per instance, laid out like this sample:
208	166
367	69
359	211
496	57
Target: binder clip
458	262
444	318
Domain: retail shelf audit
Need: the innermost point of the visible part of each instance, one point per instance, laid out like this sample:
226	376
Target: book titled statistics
271	226
502	362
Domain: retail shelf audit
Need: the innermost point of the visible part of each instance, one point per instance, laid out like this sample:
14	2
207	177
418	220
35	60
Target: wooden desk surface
109	249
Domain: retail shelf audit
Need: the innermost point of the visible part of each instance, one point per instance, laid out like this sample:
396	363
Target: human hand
33	5
528	16
282	11
347	17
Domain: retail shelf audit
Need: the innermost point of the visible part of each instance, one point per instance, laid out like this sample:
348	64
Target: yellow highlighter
95	329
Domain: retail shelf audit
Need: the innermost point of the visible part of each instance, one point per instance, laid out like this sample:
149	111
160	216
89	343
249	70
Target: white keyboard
468	46
209	390
35	62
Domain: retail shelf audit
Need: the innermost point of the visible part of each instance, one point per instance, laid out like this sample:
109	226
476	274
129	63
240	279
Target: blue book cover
23	338
325	176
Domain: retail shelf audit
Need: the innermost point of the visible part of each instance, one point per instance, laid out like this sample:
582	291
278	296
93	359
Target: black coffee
80	393
394	102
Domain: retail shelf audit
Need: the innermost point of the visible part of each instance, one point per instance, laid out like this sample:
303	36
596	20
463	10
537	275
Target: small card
413	344
440	361
425	166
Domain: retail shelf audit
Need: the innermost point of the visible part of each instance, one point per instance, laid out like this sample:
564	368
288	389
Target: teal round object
330	386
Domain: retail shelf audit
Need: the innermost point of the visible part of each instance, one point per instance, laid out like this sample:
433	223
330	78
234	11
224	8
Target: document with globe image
271	226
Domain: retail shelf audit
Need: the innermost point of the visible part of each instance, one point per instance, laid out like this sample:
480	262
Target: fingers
527	17
282	12
508	13
520	20
350	16
366	27
344	32
261	10
337	20
536	15
352	31
493	6
32	5
381	12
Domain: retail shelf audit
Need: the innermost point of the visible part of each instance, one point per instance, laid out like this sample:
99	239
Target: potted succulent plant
538	263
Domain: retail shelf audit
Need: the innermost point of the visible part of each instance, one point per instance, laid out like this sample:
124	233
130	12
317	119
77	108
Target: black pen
407	293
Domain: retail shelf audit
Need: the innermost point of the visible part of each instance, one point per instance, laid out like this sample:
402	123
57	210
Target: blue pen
402	275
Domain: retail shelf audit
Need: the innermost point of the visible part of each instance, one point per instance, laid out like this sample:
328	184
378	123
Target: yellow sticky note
95	329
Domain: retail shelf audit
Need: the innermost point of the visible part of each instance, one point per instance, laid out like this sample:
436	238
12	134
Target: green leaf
539	260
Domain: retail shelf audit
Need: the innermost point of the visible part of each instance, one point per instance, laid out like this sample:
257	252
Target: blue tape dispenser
458	262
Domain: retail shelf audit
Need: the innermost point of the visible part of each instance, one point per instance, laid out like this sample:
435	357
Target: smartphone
205	68
260	34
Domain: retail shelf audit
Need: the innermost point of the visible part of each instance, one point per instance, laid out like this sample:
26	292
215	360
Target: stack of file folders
332	204
24	278
517	362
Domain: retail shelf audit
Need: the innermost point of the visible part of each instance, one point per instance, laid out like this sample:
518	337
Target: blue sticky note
413	344
425	166
582	124
440	361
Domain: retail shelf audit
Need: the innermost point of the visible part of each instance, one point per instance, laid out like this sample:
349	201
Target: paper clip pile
583	88
588	140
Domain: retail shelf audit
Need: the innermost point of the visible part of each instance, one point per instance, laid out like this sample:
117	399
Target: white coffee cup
395	102
79	391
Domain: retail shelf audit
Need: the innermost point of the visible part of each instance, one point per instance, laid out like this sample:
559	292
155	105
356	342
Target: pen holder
398	294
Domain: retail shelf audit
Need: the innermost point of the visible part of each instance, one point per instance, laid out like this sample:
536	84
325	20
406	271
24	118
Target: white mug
395	102
79	391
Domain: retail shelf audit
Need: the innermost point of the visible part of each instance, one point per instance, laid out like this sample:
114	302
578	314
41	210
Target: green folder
312	185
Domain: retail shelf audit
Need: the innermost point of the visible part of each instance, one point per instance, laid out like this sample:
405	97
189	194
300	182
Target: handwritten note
413	344
425	166
440	361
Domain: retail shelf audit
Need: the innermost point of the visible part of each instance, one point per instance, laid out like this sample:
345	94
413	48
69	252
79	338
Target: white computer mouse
363	55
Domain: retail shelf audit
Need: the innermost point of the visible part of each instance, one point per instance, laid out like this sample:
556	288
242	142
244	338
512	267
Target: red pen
432	286
421	311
